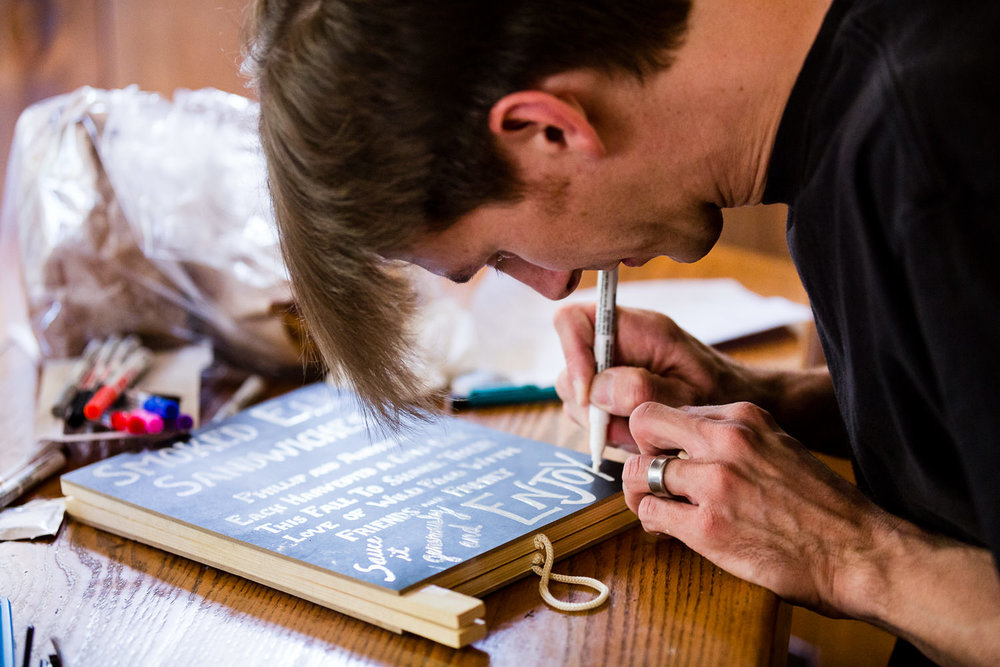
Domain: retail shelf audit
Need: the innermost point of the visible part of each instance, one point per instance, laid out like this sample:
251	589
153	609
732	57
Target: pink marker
142	422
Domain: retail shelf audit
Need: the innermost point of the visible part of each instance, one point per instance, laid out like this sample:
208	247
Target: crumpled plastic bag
134	213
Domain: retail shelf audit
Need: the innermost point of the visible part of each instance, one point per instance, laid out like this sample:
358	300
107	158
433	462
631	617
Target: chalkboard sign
302	477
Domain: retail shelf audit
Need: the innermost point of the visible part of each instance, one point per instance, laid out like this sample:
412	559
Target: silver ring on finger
654	477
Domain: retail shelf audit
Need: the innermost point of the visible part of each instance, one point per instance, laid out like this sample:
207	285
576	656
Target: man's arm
803	403
756	503
940	594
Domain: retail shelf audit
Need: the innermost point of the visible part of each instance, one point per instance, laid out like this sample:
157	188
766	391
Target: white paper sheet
506	329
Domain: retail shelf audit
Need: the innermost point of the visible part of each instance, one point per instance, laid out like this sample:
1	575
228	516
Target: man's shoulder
934	64
917	35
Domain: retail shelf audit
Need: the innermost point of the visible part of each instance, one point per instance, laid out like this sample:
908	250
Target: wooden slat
443	616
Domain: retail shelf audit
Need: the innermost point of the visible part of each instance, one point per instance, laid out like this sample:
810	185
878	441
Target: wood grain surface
111	601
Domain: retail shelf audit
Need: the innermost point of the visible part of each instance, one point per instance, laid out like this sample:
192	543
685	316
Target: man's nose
554	285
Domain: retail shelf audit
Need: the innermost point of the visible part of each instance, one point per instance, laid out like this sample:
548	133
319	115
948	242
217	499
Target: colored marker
144	422
115	420
503	395
167	407
74	415
100	369
108	360
130	370
121	352
6	634
244	396
604	350
91	381
30	475
55	659
182	422
80	370
29	638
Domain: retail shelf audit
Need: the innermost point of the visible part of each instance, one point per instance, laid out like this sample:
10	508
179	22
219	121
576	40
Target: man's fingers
740	411
681	477
575	327
634	485
658	515
564	387
619	434
621	389
658	428
667	517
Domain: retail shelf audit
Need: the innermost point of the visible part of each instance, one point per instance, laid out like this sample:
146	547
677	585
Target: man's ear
539	121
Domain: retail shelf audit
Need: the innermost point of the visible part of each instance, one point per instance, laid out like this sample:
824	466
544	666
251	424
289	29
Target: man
547	138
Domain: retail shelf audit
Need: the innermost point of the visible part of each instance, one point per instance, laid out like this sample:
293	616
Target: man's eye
499	259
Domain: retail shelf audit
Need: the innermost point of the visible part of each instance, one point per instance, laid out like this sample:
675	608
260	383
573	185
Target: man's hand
756	503
658	361
655	360
753	500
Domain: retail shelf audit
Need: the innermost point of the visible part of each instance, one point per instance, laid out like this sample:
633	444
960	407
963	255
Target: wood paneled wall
48	47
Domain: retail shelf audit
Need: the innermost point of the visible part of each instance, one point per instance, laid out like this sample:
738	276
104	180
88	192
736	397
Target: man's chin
694	248
690	256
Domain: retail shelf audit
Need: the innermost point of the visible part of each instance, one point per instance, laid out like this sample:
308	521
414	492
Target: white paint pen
247	393
604	350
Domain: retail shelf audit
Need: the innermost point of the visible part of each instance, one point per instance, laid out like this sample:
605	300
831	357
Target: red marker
119	420
100	368
130	370
122	351
115	420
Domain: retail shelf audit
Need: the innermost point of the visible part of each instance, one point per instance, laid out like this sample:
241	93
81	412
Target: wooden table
111	601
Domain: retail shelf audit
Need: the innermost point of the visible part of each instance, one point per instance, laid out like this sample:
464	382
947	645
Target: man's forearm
804	405
940	594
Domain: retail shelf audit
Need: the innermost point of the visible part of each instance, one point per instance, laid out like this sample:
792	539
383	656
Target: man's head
379	122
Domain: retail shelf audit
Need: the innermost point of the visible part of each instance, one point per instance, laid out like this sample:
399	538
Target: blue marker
503	395
6	635
167	407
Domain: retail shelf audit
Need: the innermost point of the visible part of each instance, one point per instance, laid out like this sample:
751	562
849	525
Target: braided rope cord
542	566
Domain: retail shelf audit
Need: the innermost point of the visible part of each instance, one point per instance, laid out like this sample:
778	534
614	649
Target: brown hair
374	126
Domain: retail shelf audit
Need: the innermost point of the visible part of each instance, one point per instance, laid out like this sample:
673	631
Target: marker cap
75	418
166	408
119	420
144	421
183	422
99	402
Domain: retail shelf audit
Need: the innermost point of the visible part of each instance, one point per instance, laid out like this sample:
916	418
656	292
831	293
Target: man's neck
728	88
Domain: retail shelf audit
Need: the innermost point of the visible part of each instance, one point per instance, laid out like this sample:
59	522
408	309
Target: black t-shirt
888	155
